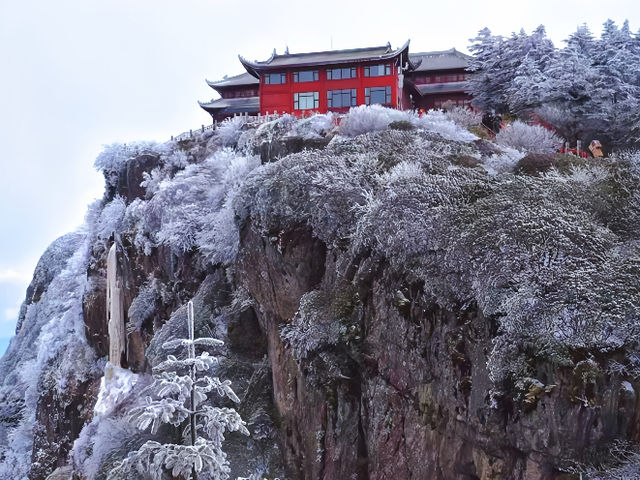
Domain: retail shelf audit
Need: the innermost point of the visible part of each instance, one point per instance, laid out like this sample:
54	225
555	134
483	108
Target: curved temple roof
440	60
234	81
330	57
232	105
449	87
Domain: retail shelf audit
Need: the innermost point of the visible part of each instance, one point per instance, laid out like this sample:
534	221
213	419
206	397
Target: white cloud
11	313
14	276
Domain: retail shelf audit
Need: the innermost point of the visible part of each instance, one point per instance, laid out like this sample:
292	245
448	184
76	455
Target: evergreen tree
529	87
616	93
569	87
498	62
487	82
179	390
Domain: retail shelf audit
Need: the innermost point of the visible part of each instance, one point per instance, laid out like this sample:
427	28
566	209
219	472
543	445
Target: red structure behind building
337	80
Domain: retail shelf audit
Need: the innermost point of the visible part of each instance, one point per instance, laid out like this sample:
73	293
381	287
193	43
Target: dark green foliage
401	125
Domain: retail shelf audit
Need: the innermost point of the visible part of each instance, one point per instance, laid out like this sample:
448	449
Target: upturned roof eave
254	68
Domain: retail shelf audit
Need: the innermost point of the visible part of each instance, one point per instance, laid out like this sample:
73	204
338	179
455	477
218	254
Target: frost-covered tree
588	89
179	390
498	62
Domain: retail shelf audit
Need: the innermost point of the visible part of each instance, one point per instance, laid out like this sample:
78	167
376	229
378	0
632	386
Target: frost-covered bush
145	303
374	118
314	326
503	162
438	122
110	219
114	157
193	208
369	118
279	127
463	116
228	132
529	138
316	126
317	188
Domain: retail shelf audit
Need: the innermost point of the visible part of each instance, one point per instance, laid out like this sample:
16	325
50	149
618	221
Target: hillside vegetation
453	307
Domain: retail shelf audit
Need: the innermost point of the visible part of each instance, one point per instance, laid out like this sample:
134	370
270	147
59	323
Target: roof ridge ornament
286	50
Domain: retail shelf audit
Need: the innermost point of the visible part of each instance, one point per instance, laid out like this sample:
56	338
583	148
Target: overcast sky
78	74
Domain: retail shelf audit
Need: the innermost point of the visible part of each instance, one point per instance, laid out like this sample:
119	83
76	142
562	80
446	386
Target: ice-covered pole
115	310
192	355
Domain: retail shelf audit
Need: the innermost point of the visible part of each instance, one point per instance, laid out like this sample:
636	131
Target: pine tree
498	62
179	390
484	84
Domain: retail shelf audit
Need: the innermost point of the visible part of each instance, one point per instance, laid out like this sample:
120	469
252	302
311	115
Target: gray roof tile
235	81
330	57
233	105
440	60
447	87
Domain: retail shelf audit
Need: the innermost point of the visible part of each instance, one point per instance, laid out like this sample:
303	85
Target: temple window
341	73
377	95
275	78
305	76
377	70
305	100
341	98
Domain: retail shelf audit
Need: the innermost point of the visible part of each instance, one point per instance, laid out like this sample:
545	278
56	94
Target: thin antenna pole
192	355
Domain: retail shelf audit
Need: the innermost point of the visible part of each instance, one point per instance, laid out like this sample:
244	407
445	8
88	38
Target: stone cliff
367	312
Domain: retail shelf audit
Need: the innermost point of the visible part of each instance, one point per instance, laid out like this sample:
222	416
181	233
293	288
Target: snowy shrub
369	118
114	157
436	121
101	439
463	116
315	126
269	131
179	392
145	303
110	219
529	138
313	327
193	208
503	162
313	187
228	132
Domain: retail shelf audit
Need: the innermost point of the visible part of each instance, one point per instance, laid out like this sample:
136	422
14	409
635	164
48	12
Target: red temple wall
280	97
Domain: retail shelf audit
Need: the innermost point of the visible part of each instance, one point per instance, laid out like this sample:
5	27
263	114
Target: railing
249	119
259	119
191	133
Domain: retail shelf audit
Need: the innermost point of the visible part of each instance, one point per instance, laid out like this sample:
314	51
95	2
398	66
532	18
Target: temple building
239	95
438	78
336	80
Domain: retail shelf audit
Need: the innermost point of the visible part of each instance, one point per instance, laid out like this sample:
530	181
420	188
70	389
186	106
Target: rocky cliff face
373	328
412	398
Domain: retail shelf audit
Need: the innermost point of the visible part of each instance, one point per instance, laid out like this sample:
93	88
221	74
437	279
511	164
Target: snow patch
115	385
